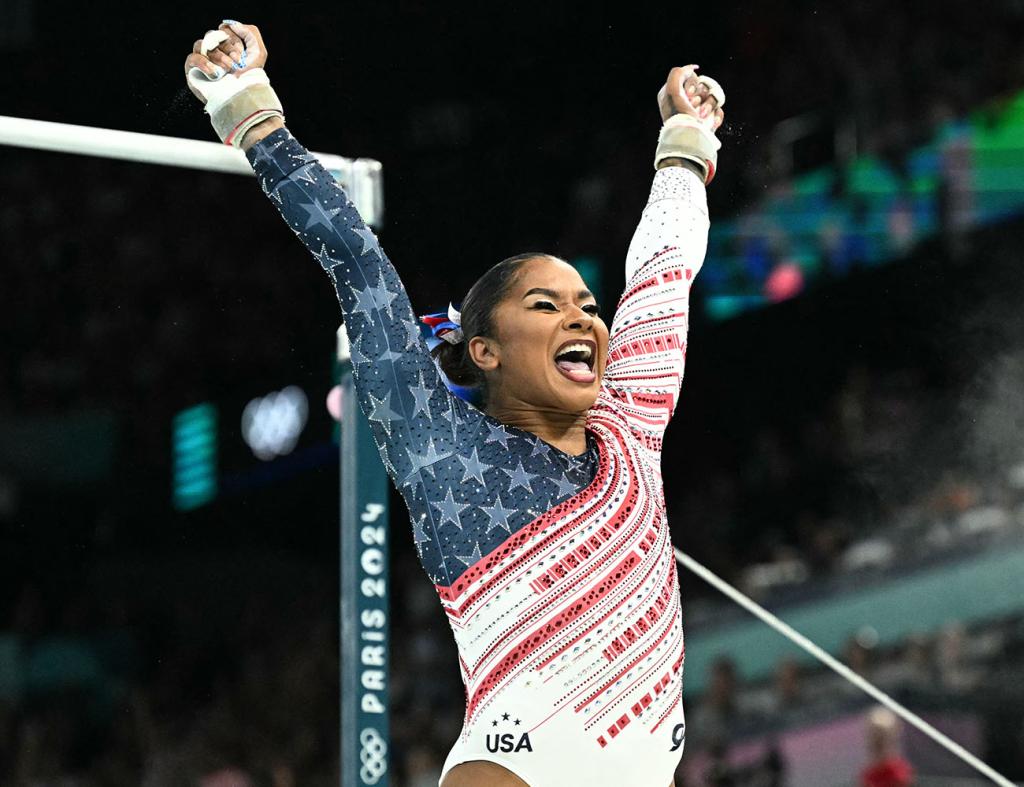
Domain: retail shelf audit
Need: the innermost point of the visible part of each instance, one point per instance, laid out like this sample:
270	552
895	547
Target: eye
592	309
546	306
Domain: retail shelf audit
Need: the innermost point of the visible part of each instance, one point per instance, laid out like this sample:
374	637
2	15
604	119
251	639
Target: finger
221	59
715	89
195	60
691	85
208	46
719	119
700	98
251	38
233	46
233	53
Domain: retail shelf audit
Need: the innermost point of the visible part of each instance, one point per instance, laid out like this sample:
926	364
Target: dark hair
478	320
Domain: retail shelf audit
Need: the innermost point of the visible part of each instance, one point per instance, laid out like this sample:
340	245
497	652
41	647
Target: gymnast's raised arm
647	344
399	387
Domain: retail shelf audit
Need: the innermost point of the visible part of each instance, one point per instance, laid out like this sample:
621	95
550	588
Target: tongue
577	371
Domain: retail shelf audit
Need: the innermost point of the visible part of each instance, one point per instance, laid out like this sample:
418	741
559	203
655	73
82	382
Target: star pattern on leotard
473	467
389	356
473	557
382	296
365	303
498	515
413	335
382	413
420	397
369	241
565	486
327	262
318	214
358	357
520	478
450	510
468	481
426	460
497	434
304	174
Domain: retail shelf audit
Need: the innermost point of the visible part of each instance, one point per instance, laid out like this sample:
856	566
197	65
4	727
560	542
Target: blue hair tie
445	325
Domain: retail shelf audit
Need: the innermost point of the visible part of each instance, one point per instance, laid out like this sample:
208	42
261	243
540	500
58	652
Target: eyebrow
581	295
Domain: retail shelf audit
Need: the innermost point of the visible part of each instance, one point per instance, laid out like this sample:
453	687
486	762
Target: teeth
576	348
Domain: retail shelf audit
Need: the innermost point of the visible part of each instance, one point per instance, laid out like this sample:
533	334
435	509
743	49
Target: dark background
207	639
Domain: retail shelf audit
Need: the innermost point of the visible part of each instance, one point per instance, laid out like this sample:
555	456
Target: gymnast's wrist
260	131
682	162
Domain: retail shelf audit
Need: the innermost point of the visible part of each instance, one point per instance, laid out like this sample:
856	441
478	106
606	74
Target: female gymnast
539	518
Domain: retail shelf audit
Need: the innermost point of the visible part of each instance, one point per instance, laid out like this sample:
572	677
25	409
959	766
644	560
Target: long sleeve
647	345
412	414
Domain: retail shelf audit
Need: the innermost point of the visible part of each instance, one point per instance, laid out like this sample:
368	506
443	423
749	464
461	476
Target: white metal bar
361	178
873	691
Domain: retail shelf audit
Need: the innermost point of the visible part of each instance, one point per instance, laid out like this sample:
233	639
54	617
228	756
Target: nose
577	320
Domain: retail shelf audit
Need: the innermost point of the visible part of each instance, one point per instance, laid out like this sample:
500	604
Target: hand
684	94
243	44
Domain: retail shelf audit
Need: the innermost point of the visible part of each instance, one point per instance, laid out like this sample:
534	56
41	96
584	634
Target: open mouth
575	360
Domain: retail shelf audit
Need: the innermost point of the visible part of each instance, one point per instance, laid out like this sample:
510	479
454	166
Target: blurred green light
194	448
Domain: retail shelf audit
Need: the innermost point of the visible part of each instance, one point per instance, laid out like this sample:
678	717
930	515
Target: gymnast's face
550	346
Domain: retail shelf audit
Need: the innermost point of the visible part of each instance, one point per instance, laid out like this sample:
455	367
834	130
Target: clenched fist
225	72
685	94
241	50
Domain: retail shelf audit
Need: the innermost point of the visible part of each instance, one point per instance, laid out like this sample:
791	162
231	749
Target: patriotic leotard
556	571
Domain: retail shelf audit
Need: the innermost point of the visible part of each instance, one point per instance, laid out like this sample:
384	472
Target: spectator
886	768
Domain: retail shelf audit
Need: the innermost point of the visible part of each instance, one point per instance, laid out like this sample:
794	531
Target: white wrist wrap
686	137
237	103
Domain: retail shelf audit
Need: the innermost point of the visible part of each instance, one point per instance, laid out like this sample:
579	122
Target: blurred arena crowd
130	660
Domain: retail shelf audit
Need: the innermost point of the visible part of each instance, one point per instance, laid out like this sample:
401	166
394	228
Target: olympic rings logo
373	755
271	425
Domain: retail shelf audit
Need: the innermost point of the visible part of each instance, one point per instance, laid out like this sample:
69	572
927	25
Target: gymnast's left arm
647	347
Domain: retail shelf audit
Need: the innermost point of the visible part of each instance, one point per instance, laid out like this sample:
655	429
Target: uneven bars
361	178
845	672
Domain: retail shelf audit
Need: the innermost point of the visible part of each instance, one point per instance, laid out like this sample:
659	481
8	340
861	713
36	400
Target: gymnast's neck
565	431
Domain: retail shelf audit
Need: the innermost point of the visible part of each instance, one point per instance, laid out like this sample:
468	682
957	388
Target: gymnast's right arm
399	388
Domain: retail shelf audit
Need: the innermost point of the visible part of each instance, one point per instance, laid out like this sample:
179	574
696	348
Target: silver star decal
565	487
369	241
318	214
472	558
357	354
421	398
497	435
304	174
364	301
382	449
450	510
274	194
540	448
425	461
303	158
474	467
418	534
382	412
498	515
325	259
383	296
389	355
262	152
413	329
519	477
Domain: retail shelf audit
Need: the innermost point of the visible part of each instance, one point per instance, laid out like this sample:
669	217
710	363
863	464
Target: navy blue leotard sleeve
413	415
468	481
